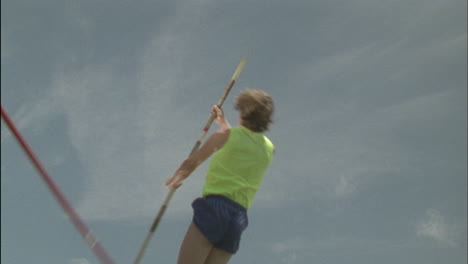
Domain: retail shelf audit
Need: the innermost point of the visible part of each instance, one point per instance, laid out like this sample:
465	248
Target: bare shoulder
212	144
219	137
222	132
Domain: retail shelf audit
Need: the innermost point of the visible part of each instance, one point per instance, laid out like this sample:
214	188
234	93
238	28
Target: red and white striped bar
85	232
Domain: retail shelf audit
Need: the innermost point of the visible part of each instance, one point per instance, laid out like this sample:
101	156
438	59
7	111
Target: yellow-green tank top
236	170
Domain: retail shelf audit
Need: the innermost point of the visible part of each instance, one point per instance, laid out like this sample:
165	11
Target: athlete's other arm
212	144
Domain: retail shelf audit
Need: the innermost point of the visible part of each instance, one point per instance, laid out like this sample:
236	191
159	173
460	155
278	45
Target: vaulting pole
195	147
85	232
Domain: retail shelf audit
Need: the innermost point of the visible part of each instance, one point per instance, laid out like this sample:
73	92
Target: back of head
256	109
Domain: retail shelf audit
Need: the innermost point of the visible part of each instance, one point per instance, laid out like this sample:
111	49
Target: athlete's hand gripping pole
195	147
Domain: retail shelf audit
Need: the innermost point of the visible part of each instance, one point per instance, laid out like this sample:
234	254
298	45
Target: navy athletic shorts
220	220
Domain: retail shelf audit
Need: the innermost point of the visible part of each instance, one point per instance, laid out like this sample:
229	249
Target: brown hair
256	109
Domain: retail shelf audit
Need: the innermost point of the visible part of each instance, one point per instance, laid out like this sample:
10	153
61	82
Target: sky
370	125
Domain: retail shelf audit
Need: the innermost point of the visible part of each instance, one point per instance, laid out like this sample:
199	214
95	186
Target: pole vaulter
85	232
195	147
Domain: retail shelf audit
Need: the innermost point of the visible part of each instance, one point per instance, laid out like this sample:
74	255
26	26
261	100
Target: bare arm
212	144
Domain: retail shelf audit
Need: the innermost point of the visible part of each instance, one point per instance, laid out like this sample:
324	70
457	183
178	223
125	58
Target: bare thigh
195	248
218	256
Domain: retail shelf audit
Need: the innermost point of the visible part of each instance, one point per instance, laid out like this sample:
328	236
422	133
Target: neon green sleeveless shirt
236	169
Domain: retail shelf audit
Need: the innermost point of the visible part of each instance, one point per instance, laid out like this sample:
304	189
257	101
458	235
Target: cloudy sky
370	126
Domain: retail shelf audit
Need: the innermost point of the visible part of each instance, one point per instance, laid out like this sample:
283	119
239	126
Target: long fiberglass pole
195	147
79	224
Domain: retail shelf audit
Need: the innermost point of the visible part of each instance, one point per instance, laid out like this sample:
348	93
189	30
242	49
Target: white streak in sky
434	226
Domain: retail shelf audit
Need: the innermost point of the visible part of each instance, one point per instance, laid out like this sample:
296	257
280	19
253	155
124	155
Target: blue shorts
220	220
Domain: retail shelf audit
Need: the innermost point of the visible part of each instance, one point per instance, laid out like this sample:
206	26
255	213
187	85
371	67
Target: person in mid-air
242	154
